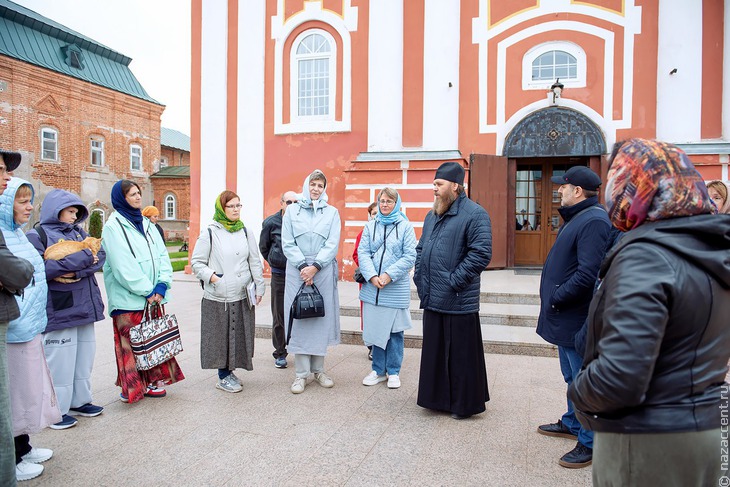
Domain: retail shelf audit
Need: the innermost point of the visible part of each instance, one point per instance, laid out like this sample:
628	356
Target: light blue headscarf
394	216
305	199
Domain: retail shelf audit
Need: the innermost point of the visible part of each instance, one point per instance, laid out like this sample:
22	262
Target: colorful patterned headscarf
650	180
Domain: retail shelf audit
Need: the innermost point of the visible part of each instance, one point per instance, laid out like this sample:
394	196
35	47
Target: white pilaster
251	72
385	76
679	107
441	75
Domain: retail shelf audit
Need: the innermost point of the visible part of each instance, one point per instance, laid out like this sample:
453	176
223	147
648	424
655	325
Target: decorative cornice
446	155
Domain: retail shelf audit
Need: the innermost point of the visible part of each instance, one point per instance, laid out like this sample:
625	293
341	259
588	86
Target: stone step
510	340
498	297
524	315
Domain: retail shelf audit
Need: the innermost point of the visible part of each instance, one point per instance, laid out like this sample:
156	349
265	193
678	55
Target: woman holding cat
74	304
32	399
137	272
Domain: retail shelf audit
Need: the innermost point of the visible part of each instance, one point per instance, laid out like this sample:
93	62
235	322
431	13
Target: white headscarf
305	199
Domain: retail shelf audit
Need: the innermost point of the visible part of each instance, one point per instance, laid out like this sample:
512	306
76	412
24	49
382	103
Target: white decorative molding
630	20
280	31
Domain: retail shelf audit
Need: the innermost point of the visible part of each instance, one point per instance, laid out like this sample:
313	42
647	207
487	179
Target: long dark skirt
132	381
227	333
453	372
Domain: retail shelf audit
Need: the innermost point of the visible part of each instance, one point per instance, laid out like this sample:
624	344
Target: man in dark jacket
455	247
652	386
566	288
15	275
270	246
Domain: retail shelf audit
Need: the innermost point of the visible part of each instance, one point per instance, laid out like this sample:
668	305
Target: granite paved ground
347	435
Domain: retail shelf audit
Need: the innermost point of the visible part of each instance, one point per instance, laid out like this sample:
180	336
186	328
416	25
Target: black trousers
22	447
278	332
453	371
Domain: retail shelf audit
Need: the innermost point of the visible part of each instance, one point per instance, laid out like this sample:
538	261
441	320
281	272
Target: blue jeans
390	359
570	363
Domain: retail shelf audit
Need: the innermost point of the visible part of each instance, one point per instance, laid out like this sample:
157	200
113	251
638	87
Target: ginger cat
61	249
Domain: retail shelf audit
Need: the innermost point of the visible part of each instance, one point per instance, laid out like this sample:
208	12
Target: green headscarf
220	217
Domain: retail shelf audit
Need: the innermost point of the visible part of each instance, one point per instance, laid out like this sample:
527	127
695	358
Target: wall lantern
557	90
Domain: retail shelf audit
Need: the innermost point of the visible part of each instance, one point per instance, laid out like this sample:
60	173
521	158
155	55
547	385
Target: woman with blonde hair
33	400
227	261
310	237
387	253
719	192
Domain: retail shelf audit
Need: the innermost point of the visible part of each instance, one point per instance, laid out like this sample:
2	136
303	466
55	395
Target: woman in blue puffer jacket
32	399
387	253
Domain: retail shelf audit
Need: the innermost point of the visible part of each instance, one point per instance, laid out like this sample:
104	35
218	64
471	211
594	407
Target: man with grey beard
455	247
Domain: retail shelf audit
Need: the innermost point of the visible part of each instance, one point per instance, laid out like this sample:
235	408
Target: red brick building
74	110
171	184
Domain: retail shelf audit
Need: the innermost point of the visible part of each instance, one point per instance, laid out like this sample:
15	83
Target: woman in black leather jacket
652	385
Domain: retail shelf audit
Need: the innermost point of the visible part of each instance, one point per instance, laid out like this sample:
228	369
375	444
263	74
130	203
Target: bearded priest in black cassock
455	247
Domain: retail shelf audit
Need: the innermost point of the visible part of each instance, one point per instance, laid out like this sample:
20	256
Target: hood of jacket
7	199
703	240
58	200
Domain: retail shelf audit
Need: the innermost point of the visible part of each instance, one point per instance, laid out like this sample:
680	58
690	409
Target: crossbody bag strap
127	238
291	312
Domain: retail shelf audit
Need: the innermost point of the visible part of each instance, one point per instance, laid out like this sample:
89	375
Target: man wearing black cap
15	275
566	288
455	247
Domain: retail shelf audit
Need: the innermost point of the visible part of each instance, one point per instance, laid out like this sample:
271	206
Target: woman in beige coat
226	260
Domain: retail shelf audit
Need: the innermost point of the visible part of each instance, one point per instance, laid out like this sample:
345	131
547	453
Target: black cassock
453	372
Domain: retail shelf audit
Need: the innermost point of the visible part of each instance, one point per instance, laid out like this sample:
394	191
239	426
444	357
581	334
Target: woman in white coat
226	260
310	237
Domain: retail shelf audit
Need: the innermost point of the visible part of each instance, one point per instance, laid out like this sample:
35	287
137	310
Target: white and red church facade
380	92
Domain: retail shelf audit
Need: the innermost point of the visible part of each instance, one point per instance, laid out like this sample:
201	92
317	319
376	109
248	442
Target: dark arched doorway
545	143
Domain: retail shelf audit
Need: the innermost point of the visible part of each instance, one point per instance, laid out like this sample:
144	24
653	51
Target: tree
95	224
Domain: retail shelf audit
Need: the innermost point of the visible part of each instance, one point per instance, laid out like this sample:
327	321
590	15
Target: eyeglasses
234	206
386	202
289	202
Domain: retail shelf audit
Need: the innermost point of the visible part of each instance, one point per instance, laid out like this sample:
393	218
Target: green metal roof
175	139
172	172
35	39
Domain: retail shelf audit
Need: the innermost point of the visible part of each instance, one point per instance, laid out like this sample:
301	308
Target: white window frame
312	122
54	132
164	162
170	215
573	49
132	156
98	150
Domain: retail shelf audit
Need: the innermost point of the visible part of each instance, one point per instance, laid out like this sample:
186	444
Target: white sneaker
324	380
26	471
373	378
37	455
298	386
393	382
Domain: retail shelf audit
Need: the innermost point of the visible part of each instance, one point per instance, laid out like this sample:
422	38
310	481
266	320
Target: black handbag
308	304
358	277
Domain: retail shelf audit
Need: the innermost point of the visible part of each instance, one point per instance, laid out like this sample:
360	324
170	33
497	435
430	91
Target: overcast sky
154	33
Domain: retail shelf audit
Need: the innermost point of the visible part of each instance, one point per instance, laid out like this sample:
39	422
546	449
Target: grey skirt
313	335
227	332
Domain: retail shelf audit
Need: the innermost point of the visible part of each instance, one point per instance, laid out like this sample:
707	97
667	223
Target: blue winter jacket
570	270
75	303
453	251
394	255
32	304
